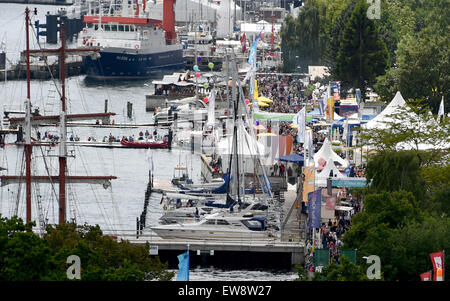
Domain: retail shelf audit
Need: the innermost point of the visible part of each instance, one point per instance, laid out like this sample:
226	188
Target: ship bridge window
113	27
127	27
107	27
121	28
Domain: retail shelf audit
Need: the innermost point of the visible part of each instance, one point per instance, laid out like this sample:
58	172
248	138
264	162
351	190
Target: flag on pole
314	209
308	149
441	109
300	121
437	259
183	266
211	108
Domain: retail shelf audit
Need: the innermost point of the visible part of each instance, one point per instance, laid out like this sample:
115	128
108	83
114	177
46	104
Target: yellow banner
255	92
308	184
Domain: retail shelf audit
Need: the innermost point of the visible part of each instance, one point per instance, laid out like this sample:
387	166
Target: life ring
136	46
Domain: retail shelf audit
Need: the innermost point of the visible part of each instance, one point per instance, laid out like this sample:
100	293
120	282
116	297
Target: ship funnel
168	23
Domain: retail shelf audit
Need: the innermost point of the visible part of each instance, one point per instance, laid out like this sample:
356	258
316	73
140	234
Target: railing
144	236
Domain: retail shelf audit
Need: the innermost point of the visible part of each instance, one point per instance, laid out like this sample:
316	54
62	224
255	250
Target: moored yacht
218	226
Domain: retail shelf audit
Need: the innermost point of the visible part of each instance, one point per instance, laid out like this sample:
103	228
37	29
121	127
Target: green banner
273	116
321	257
350	254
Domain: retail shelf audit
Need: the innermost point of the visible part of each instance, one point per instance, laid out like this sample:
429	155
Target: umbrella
262	104
259	127
265	99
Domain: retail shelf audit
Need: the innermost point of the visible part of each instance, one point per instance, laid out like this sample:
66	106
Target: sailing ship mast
62	178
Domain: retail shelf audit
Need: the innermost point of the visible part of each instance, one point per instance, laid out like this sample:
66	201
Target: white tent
321	177
393	107
413	121
326	152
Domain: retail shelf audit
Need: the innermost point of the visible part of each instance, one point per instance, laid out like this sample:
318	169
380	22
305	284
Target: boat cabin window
107	27
222	222
96	26
113	27
121	28
210	222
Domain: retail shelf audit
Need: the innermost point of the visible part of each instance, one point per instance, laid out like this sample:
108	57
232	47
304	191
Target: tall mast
63	132
28	147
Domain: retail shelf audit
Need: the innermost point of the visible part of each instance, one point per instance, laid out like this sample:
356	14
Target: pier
239	254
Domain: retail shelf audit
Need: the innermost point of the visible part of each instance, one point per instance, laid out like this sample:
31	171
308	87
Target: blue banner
358	96
314	209
183	267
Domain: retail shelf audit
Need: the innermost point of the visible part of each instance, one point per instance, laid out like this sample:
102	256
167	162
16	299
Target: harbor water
117	206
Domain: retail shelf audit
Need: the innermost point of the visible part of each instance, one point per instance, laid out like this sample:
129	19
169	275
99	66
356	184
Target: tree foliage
26	256
362	54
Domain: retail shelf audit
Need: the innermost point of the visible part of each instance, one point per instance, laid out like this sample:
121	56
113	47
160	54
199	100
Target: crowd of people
285	91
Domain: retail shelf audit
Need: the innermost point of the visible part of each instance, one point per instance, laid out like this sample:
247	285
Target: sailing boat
216	224
63	179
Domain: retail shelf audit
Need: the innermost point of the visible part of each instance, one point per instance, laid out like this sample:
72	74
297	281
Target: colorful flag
425	276
300	120
437	259
314	209
441	108
211	108
243	38
331	203
183	266
358	96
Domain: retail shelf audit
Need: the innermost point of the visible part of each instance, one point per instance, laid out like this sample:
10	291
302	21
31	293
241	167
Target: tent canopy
326	152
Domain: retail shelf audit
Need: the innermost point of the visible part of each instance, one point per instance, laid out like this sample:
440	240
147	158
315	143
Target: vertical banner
308	184
437	259
314	209
274	147
330	203
289	140
336	88
425	276
358	97
330	110
183	266
282	146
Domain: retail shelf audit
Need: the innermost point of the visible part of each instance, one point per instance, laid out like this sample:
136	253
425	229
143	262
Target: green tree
362	54
421	71
24	256
394	171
